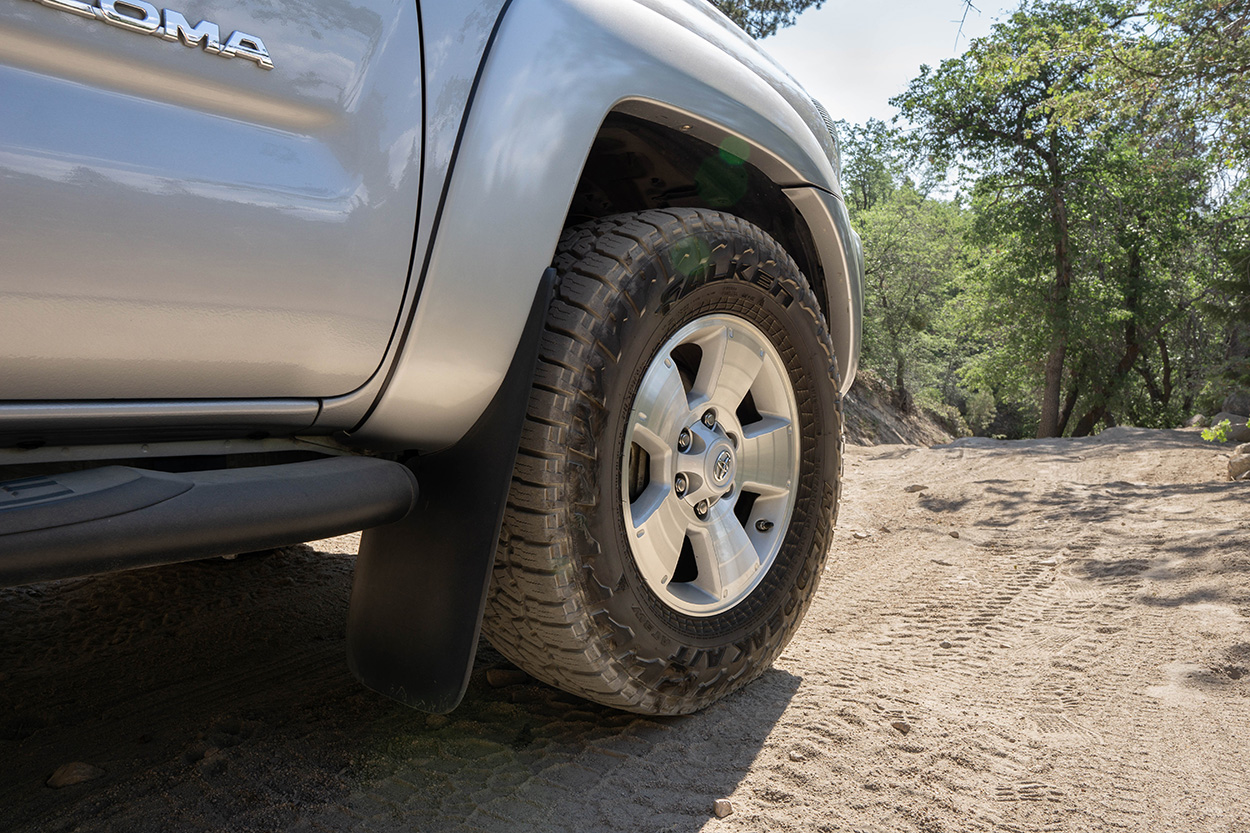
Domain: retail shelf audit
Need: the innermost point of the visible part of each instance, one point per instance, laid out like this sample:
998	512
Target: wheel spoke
729	368
765	461
660	520
660	408
726	557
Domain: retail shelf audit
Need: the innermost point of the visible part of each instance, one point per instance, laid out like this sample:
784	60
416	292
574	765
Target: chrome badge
144	18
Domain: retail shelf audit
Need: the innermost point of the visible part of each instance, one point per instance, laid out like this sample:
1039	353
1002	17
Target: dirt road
1051	635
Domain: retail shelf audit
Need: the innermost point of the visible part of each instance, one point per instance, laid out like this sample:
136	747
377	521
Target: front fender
554	69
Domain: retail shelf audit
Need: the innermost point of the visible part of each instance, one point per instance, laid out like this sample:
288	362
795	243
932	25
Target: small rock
901	726
722	807
504	677
859	536
74	773
954	533
796	755
1196	421
913	488
942	644
1238	466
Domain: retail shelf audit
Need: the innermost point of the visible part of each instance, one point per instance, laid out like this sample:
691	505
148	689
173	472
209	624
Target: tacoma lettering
144	18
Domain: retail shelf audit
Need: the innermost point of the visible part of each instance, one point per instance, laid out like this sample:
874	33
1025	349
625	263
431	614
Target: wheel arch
647	155
555	73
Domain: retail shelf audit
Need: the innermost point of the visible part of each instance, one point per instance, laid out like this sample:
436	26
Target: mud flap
420	584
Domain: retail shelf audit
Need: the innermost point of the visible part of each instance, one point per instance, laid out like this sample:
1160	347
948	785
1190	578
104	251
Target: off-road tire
567	602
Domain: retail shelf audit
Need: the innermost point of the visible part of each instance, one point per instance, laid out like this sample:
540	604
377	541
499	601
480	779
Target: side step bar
117	517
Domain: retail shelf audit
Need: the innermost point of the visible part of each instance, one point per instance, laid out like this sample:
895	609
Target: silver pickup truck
555	299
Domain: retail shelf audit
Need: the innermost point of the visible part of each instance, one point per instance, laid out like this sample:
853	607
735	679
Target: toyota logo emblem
724	461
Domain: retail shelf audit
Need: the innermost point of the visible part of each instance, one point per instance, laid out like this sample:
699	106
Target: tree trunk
1073	394
902	399
1086	424
1048	424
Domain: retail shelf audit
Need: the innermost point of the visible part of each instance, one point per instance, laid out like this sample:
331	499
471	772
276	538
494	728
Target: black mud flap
420	584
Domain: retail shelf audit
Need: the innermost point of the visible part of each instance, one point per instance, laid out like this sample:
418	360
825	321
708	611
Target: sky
853	56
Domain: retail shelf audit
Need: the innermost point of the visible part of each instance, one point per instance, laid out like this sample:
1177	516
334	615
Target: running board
118	518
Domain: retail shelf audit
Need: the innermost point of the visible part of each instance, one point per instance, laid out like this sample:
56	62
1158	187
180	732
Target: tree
913	250
1174	66
872	163
761	18
988	112
1147	260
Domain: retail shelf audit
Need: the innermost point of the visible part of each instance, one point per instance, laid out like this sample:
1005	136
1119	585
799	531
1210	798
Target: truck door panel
178	224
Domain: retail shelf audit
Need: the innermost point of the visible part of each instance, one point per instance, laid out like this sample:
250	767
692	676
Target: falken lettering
144	18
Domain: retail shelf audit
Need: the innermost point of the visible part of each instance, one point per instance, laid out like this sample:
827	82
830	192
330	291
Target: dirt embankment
872	419
1009	636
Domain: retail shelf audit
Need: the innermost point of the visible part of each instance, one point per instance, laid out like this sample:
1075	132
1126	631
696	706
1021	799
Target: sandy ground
1050	636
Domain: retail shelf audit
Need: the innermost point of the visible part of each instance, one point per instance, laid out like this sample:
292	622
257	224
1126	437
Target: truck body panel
178	225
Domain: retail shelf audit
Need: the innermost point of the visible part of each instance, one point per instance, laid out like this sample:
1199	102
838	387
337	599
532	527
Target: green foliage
981	411
1106	259
914	249
986	113
1096	268
872	163
761	18
1172	64
947	416
1217	433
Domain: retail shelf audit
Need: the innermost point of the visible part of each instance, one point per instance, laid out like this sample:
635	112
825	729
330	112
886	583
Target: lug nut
763	526
709	419
680	484
701	509
729	493
683	440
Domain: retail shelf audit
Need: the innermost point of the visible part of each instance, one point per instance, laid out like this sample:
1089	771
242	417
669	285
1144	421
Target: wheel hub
706	470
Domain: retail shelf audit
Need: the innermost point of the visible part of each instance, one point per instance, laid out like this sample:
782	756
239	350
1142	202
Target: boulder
1237	429
1238	403
1196	421
1239	467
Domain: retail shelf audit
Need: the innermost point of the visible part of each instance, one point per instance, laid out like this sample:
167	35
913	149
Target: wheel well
635	164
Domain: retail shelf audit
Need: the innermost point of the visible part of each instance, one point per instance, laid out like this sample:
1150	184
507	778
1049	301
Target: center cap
721	465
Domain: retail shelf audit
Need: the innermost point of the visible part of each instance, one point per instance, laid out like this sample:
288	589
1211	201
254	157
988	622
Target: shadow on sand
215	696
